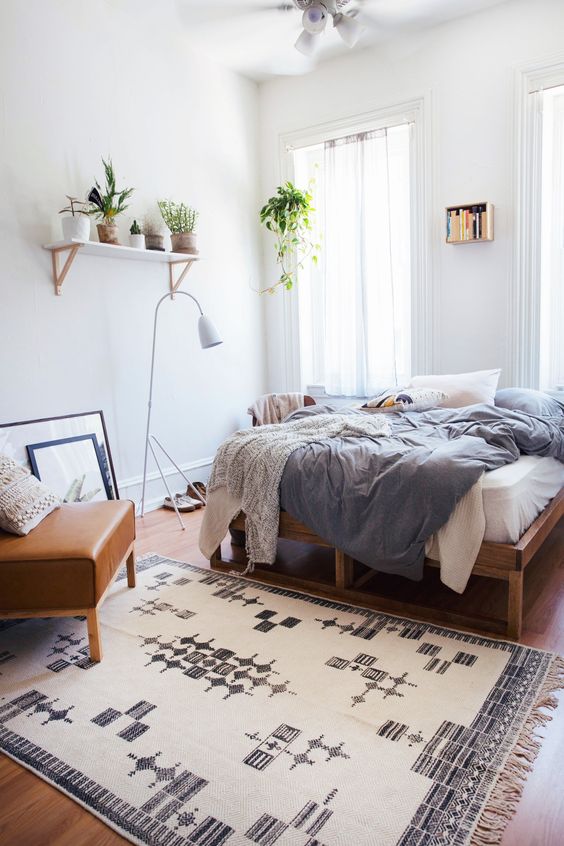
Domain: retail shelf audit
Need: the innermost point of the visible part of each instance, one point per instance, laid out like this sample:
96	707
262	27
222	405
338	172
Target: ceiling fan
316	13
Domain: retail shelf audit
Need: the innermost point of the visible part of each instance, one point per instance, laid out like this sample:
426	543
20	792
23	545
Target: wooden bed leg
515	604
130	564
94	640
216	557
344	569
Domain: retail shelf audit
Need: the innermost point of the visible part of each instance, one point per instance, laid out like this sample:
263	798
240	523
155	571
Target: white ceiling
256	37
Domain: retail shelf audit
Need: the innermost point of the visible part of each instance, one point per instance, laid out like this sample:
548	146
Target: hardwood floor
34	814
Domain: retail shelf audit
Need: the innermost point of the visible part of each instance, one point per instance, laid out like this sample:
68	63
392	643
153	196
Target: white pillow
462	388
24	500
410	399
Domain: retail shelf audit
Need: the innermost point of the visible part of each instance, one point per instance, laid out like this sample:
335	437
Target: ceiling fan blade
213	10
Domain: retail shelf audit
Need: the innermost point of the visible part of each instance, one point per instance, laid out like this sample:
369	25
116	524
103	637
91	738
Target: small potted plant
181	220
136	237
153	232
77	225
107	204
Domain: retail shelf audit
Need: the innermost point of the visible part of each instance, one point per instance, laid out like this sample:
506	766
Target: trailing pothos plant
288	215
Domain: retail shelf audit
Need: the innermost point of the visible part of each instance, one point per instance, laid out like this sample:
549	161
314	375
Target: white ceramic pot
77	227
137	241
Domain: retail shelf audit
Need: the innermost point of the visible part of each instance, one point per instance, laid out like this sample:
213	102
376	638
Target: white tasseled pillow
24	500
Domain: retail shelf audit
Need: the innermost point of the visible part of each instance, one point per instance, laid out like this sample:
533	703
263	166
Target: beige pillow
24	500
462	388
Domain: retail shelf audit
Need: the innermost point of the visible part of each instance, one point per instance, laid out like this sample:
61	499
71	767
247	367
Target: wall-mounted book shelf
94	248
469	223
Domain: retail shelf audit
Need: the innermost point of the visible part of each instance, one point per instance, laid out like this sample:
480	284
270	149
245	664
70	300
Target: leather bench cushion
68	561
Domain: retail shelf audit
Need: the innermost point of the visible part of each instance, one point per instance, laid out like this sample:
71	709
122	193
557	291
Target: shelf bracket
59	275
175	285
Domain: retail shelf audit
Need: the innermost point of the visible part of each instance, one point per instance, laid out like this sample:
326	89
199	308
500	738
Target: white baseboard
132	488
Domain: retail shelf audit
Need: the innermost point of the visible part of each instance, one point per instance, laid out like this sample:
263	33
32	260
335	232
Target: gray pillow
24	500
529	401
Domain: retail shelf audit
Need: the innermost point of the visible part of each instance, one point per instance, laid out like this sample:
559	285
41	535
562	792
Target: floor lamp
209	337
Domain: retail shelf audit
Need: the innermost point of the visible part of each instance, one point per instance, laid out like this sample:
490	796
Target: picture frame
16	436
72	467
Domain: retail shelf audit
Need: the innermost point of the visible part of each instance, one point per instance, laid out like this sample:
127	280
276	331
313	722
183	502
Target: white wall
467	69
82	80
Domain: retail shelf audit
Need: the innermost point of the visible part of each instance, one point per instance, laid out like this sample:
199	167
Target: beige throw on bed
273	408
250	464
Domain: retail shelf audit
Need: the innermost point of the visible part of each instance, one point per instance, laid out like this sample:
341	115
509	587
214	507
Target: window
355	307
537	294
551	334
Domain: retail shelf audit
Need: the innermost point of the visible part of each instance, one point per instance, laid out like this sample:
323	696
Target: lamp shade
209	336
307	43
348	28
314	18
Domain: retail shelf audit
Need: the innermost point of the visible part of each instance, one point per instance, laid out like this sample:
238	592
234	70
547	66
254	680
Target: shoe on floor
197	488
182	503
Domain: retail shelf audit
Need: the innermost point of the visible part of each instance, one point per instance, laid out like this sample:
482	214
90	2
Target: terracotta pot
108	233
184	242
154	242
77	227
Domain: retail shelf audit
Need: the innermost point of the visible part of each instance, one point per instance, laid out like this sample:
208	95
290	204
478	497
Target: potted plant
107	204
181	220
77	224
136	238
153	231
288	216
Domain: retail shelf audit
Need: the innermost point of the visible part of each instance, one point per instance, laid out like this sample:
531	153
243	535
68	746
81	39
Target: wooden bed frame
506	562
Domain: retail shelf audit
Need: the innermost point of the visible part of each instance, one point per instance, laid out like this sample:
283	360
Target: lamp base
152	442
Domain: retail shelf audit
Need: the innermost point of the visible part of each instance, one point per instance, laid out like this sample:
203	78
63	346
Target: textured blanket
251	462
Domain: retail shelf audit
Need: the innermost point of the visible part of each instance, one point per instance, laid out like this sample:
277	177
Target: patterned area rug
228	712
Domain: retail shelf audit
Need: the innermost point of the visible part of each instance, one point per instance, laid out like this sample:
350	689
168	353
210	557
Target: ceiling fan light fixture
314	18
348	28
307	43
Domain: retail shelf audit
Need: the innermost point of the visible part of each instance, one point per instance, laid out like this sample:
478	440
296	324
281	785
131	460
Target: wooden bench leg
344	569
515	604
94	640
216	557
130	564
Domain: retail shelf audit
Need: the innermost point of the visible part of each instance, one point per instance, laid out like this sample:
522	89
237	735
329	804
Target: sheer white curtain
552	241
355	308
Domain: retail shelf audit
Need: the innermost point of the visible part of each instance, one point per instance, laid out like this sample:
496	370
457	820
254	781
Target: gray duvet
380	499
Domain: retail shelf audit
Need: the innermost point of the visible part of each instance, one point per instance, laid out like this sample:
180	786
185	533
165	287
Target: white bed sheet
516	494
500	507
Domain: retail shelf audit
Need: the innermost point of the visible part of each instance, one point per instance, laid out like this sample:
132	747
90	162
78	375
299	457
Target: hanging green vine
288	215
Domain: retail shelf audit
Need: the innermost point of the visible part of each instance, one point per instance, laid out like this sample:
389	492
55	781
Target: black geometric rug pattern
231	712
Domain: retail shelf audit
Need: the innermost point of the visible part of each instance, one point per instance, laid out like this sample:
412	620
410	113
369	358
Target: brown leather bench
65	566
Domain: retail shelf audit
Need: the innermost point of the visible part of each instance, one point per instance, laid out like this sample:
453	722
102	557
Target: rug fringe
504	798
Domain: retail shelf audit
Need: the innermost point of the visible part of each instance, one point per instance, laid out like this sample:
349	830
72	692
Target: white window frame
423	314
525	296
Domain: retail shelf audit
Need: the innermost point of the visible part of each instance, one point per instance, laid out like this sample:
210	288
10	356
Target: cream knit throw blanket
251	462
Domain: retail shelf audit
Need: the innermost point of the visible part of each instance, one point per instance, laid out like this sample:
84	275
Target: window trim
524	300
423	314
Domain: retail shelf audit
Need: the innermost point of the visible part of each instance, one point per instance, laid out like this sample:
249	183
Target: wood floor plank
32	813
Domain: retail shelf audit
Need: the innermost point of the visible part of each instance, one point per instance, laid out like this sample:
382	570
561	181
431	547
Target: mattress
514	495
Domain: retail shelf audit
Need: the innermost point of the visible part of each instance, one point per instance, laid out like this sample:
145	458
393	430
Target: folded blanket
273	408
250	465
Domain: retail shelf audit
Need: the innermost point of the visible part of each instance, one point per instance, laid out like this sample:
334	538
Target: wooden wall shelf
470	223
94	248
